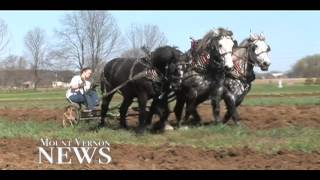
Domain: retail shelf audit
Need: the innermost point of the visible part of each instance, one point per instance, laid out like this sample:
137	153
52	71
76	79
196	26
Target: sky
292	35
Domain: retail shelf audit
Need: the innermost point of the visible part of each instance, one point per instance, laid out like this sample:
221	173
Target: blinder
269	48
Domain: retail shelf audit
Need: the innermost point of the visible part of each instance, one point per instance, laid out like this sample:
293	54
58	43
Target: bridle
245	59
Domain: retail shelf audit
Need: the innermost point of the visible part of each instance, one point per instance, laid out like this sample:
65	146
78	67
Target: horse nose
227	68
265	63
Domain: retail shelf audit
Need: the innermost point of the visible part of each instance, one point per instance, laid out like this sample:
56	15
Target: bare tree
133	53
148	36
103	35
57	61
88	38
10	62
22	63
11	68
35	43
4	36
72	40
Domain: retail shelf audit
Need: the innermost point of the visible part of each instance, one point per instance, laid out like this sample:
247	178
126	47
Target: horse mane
166	46
245	42
164	55
212	34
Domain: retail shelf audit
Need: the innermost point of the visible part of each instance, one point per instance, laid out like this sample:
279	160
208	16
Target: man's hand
93	86
81	85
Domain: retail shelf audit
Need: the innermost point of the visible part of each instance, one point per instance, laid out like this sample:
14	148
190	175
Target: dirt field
23	154
266	117
255	117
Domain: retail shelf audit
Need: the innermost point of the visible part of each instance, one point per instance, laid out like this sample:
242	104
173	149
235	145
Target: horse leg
178	110
187	113
142	100
104	108
196	116
236	117
152	111
231	107
127	101
215	103
164	117
164	112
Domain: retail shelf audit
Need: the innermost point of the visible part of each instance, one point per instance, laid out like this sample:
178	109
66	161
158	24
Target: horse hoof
101	125
140	131
238	124
184	128
123	126
168	127
149	127
216	123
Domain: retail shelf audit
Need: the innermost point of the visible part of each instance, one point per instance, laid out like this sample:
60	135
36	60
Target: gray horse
252	51
210	59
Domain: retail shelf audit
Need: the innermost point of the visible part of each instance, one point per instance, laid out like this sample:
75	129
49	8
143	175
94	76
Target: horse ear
215	33
235	43
229	32
252	37
262	36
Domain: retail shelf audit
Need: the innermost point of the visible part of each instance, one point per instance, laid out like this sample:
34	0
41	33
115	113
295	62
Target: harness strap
237	66
136	77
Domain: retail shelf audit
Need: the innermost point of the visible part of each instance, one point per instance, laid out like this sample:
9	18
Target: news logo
73	151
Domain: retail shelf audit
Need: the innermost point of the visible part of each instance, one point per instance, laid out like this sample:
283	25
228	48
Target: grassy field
210	137
267	101
39	99
56	98
266	89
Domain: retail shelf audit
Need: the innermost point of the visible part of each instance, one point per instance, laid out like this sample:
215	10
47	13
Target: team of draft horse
215	68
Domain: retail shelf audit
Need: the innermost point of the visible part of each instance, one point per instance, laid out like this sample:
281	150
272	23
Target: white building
59	84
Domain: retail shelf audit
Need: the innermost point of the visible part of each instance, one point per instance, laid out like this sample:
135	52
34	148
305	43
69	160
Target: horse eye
254	47
269	49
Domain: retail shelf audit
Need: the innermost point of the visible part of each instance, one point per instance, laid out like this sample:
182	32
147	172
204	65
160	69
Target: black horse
252	51
155	78
210	59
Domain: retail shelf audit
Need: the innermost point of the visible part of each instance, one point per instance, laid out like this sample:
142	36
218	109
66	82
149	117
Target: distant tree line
306	67
15	78
84	39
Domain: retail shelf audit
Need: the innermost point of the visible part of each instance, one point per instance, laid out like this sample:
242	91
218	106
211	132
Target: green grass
51	98
211	137
266	89
30	104
32	95
217	137
47	99
267	101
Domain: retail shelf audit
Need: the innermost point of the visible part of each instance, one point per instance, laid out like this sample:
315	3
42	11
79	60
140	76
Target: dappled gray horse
251	52
210	58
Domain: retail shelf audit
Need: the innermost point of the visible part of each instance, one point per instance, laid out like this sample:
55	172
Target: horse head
258	51
218	45
167	60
